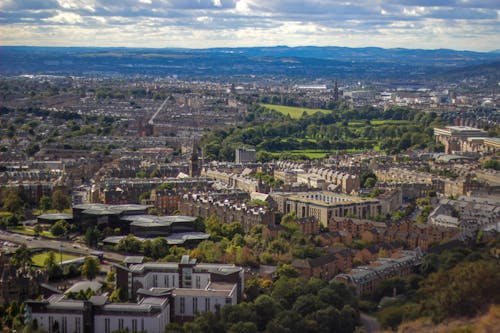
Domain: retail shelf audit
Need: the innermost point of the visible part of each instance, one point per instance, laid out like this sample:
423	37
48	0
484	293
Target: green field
294	112
39	259
378	122
306	152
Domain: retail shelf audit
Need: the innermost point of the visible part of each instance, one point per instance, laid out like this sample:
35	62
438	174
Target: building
324	205
465	139
103	215
365	279
195	287
244	155
155	226
326	266
61	314
226	210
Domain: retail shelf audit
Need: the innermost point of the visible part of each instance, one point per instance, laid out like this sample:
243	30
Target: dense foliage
393	130
289	304
456	283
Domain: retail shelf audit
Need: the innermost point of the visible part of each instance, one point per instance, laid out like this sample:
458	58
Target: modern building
61	314
156	226
244	155
103	215
195	287
185	274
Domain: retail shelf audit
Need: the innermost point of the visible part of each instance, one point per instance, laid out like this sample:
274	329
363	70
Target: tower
336	92
194	163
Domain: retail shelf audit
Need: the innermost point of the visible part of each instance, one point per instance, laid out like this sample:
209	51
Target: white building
194	287
60	314
244	155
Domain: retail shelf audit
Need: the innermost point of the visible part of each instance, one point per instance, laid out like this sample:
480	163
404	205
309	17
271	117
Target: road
369	323
67	246
152	120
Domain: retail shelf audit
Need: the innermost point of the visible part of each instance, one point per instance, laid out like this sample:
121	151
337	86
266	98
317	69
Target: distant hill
281	61
490	71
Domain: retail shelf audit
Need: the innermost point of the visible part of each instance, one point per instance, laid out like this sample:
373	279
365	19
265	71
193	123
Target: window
78	325
229	300
207	304
155	280
183	305
51	322
64	324
134	325
142	324
198	282
120	324
165	280
195	305
107	325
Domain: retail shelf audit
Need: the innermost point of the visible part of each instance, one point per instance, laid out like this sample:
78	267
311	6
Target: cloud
207	23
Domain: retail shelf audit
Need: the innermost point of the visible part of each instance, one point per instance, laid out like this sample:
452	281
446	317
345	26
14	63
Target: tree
92	236
37	229
13	201
59	228
22	257
60	200
50	264
129	244
90	267
266	309
45	203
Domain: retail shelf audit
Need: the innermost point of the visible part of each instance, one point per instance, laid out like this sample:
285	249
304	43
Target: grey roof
104	209
155	221
55	217
84	285
134	259
174	239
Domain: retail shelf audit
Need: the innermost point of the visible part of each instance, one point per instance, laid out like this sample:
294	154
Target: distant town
164	204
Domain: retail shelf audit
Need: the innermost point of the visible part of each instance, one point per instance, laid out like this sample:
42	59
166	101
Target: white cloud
459	24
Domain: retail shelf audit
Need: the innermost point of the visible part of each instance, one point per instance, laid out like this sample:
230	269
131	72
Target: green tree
266	309
129	244
59	228
90	267
60	200
37	229
45	203
50	264
92	236
13	201
22	257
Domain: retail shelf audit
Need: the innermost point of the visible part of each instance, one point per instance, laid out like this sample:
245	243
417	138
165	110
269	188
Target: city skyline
455	24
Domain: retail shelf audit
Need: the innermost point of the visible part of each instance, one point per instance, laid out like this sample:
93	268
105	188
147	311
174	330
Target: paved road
369	323
152	120
67	246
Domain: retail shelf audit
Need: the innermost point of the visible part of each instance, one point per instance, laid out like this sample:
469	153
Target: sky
428	24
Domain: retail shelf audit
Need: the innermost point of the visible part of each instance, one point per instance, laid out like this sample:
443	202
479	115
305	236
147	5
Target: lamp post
60	252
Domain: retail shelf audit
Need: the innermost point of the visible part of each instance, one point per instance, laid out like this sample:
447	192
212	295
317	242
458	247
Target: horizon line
249	47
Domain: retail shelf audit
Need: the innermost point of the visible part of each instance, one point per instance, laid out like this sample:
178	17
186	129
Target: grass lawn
39	259
307	152
390	122
294	112
51	211
31	232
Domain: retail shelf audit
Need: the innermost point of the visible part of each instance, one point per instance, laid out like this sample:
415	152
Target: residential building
365	279
244	155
